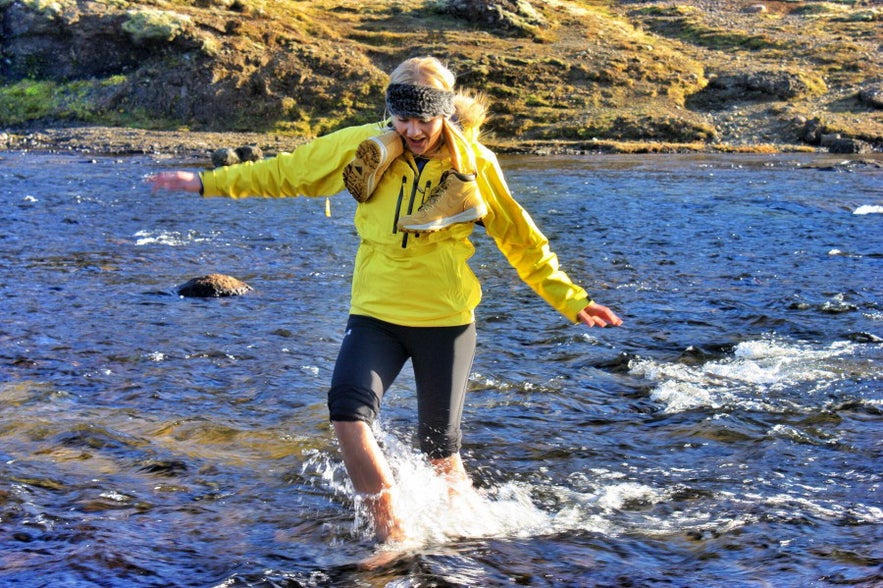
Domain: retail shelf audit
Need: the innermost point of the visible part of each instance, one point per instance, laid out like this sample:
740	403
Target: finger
610	317
589	320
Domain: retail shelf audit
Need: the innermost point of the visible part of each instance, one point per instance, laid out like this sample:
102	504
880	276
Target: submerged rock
224	157
213	286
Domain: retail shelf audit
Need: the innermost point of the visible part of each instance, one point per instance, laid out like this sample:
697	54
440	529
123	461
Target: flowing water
729	434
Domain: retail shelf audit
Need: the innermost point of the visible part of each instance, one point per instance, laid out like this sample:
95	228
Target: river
729	434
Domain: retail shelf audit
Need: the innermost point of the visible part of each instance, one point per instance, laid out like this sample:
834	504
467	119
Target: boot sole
471	215
368	158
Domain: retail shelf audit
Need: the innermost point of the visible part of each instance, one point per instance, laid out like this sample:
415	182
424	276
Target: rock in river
213	286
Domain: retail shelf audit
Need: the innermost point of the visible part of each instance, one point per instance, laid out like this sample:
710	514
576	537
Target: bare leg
371	476
466	509
454	473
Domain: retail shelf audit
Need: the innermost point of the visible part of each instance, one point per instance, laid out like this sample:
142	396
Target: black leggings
373	353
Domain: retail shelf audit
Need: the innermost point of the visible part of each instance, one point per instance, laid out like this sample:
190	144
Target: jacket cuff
575	306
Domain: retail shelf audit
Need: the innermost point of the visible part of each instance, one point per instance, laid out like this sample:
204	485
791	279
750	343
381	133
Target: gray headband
423	102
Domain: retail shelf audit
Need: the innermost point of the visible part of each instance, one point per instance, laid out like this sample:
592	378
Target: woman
413	295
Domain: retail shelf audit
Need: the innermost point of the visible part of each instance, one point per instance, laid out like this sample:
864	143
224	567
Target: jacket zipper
395	220
414	189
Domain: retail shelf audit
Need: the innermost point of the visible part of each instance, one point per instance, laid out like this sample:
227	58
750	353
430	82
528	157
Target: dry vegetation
652	75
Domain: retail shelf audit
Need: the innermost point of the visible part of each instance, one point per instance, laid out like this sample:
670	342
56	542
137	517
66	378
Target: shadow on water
728	434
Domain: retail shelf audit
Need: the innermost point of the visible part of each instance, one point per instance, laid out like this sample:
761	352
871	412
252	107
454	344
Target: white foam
627	496
868	209
681	396
171	238
430	514
596	502
755	368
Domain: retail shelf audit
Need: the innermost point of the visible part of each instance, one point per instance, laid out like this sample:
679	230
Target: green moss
379	38
535	100
155	25
47	8
722	39
81	100
635	127
819	9
815	85
691	30
868	15
25	101
676	10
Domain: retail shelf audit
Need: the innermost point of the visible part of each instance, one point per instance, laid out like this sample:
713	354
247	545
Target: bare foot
460	488
384	558
389	531
387	525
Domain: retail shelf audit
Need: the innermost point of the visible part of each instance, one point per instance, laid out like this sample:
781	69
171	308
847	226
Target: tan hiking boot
373	157
455	200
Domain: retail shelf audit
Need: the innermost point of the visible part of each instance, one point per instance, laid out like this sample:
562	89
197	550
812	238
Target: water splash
170	238
431	513
749	378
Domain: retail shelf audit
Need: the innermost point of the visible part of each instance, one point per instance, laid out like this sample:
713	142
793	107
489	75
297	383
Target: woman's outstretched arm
175	180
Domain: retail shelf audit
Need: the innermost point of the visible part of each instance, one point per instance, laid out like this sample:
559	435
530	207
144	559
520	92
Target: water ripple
153	440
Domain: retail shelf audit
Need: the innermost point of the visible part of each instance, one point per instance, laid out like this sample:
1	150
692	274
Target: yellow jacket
410	279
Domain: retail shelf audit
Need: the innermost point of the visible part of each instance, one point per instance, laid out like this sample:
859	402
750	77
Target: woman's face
423	137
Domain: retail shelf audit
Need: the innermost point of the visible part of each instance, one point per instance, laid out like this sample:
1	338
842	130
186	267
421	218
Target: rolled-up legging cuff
346	403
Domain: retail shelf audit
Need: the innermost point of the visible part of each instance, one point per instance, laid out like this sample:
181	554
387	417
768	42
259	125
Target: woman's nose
413	129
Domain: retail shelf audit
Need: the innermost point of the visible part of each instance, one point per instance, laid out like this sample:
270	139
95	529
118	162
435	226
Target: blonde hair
470	108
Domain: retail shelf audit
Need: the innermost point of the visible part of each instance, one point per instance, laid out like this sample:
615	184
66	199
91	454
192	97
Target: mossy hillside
607	70
81	101
828	49
245	47
162	26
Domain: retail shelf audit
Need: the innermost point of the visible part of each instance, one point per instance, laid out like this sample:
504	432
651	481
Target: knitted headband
423	102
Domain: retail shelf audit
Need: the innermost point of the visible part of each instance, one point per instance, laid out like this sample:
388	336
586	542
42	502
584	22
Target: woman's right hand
596	315
175	180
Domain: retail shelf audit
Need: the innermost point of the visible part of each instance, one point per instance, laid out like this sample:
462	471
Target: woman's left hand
596	315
